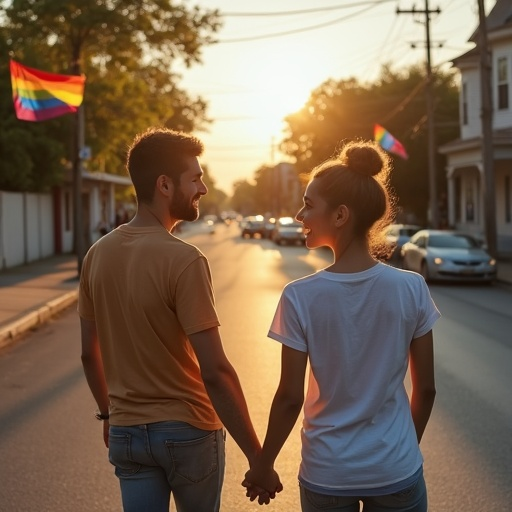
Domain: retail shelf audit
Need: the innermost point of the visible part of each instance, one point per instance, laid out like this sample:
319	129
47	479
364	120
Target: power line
304	11
405	101
434	217
297	31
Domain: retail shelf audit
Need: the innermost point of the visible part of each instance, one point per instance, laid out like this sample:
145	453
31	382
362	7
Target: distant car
288	231
397	235
270	225
448	255
253	226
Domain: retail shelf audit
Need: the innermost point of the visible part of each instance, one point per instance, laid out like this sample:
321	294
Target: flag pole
79	138
78	224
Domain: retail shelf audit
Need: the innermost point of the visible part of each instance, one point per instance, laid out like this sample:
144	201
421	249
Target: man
151	349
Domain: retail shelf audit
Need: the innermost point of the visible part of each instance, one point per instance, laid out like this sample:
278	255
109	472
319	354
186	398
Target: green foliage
126	49
344	110
216	200
339	111
244	198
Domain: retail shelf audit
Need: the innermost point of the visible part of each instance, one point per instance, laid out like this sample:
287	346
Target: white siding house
465	168
36	226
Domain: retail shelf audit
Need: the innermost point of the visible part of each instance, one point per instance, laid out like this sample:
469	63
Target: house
99	208
36	226
464	156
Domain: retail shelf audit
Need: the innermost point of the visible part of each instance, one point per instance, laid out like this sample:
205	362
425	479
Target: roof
117	179
500	17
102	177
502	137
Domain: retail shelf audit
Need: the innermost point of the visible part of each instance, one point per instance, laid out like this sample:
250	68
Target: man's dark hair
158	151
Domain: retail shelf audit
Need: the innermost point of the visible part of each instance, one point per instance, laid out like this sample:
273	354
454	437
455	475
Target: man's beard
182	208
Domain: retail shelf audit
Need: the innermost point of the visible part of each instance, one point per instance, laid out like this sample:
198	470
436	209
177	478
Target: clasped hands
262	483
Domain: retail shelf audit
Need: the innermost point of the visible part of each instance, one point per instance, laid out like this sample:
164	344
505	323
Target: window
458	198
508	207
67	211
502	83
464	103
470	205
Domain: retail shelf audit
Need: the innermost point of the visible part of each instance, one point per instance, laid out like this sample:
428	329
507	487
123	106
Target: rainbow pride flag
388	142
39	95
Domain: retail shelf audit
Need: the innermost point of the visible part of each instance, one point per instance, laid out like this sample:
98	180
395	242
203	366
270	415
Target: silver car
288	231
448	255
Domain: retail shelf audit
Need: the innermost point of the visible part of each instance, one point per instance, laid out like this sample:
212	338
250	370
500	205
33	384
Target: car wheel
424	271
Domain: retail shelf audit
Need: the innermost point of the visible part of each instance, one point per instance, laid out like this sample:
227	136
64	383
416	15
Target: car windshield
408	231
292	225
452	241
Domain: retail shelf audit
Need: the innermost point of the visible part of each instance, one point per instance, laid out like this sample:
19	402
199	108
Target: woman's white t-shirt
357	430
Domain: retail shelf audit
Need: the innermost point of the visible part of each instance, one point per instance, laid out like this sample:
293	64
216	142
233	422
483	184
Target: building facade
465	163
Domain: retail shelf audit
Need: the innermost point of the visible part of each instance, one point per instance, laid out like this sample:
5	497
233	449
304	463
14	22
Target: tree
339	111
243	199
127	50
24	146
215	200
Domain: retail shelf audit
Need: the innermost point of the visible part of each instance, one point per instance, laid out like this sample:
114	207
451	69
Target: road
50	444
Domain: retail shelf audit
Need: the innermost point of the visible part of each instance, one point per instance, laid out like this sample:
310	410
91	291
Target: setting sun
281	85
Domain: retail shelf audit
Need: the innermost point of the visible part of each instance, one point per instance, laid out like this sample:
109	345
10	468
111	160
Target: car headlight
438	261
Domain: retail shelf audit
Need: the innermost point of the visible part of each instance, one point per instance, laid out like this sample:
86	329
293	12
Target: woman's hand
263	484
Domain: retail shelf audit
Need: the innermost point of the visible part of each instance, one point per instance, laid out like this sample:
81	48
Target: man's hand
262	484
106	426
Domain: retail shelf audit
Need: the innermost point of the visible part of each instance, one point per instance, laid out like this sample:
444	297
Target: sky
269	57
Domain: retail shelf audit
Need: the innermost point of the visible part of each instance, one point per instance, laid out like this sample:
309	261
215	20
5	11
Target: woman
359	323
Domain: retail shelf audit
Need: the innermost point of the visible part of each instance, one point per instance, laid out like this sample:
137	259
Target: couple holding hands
166	392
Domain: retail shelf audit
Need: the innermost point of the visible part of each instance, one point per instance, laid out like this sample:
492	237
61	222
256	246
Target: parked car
448	255
288	231
270	225
397	235
252	226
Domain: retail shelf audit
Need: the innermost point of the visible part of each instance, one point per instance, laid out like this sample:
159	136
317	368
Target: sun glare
281	85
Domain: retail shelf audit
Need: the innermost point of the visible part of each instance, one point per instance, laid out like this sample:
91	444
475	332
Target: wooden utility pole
487	145
432	182
78	143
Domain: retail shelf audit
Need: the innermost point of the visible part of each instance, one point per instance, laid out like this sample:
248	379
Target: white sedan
448	255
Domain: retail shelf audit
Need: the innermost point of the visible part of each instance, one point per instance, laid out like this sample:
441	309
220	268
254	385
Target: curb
36	318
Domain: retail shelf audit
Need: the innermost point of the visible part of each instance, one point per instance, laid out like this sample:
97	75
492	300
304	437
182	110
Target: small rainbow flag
39	95
388	142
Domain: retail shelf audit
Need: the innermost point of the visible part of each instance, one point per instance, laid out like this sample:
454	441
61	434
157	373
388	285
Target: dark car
288	231
253	226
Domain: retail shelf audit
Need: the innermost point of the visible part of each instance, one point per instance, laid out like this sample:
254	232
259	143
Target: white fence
26	228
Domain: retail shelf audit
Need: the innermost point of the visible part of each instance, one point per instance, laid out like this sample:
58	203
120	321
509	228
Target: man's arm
224	389
93	369
423	381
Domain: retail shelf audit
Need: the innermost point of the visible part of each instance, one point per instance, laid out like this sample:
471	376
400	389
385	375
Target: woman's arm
285	409
423	381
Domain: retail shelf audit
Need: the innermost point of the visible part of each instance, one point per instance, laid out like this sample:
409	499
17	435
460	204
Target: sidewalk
31	294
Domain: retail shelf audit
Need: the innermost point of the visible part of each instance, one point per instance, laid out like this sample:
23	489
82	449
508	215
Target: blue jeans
413	499
152	461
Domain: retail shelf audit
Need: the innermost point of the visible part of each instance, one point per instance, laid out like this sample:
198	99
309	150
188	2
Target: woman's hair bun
363	157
